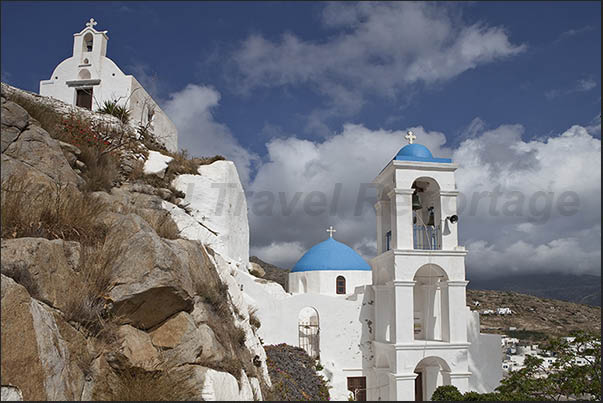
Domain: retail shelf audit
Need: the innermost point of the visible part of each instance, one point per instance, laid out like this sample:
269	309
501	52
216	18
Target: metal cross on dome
91	23
330	231
410	136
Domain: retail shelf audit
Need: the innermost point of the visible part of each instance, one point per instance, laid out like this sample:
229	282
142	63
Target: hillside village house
88	78
398	328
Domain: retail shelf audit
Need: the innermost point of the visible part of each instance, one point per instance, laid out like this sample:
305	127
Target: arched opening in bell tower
432	372
427	213
431	305
88	42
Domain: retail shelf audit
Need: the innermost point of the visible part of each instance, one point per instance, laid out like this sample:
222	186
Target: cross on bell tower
330	231
91	23
410	137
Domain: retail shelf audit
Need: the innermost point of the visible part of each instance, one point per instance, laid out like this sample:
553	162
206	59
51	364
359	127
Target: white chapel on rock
398	328
89	78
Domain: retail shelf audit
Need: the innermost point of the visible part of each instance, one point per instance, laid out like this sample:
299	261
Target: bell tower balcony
427	237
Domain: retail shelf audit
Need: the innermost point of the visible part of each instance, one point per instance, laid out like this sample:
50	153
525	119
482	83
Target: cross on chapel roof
91	23
410	137
330	231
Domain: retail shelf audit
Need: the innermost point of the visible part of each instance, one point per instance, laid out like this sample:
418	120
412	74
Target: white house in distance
399	328
88	78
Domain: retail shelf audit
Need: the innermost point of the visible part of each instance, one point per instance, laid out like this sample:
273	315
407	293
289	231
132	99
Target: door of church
357	385
84	98
419	387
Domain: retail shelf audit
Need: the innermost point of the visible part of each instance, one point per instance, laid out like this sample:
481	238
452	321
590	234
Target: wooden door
357	385
84	98
419	387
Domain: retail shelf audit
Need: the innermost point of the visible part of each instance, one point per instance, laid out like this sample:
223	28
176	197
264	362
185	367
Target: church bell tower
90	45
420	338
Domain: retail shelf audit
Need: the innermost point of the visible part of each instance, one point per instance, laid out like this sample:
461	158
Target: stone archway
432	372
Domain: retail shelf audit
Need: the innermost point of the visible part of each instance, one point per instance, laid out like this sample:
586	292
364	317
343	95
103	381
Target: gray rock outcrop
164	306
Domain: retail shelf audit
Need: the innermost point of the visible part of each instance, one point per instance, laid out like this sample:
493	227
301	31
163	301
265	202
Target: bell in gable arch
416	201
431	219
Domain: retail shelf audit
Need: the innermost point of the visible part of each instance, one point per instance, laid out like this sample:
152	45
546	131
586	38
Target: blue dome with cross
417	152
330	255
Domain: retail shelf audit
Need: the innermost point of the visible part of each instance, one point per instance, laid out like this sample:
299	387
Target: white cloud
586	84
533	239
594	127
582	85
306	186
379	48
573	32
191	111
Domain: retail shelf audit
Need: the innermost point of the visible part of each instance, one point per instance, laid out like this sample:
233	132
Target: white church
398	328
89	78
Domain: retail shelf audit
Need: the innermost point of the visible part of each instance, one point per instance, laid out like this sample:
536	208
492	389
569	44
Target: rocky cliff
118	264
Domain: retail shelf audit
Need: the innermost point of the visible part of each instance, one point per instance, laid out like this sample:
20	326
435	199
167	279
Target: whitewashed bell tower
420	338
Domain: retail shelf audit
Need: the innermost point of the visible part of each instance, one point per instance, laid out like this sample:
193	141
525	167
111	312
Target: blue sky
262	77
189	42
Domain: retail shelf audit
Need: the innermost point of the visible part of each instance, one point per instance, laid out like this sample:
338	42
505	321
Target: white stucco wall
324	281
161	126
485	356
345	325
218	210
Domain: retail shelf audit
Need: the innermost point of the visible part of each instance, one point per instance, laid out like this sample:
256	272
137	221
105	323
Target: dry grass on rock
136	384
222	321
63	214
88	304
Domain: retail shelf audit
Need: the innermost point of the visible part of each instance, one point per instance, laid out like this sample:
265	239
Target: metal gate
309	336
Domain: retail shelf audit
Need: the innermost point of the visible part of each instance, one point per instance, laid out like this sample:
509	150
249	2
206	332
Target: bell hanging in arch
431	219
416	201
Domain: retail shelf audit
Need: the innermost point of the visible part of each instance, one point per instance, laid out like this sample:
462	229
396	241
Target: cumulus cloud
305	186
378	48
191	111
526	206
531	206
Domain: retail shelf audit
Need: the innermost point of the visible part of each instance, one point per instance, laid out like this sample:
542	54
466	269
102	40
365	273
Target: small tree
574	375
447	393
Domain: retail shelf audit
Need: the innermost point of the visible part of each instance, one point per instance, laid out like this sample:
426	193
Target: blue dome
417	152
330	255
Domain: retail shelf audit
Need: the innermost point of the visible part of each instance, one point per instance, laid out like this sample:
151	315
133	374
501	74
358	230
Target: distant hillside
273	273
534	317
583	289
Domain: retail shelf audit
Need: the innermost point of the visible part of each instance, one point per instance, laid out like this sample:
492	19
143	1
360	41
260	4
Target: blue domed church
329	267
398	326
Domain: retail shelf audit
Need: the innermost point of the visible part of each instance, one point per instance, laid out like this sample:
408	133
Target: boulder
183	342
216	200
11	393
48	269
41	354
135	345
34	149
257	270
154	277
13	115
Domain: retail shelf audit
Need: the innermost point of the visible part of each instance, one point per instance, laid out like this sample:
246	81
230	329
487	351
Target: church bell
416	201
431	219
